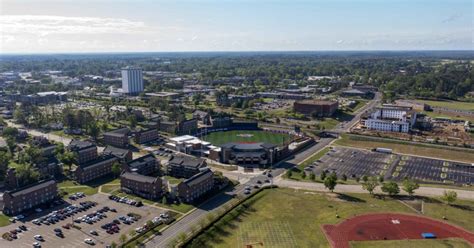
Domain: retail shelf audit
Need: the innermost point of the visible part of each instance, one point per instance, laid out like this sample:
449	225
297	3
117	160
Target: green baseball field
247	136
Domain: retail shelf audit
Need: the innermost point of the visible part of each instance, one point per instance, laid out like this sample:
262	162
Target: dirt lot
74	237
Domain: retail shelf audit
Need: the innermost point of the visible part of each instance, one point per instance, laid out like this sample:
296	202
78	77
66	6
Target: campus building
132	80
141	185
123	155
84	151
184	166
100	167
196	186
390	118
19	200
246	154
202	116
118	137
145	165
146	135
318	108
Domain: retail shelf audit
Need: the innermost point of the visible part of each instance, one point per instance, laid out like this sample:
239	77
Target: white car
38	210
89	241
38	237
36	245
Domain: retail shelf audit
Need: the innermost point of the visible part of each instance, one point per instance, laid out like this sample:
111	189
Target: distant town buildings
132	80
320	108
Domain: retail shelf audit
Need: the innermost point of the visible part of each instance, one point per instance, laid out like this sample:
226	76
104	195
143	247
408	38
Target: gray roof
141	161
118	152
76	145
138	177
201	176
31	188
118	132
186	161
105	158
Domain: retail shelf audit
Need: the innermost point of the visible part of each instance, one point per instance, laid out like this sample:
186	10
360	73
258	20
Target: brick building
196	186
94	169
123	155
184	166
318	108
145	165
28	197
141	185
84	151
147	135
118	137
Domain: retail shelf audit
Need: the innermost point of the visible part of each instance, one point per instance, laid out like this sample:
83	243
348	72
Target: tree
303	174
116	169
365	178
26	174
370	185
323	175
381	179
344	177
181	237
123	238
67	158
113	244
312	177
164	200
93	130
449	197
410	186
330	182
289	173
391	188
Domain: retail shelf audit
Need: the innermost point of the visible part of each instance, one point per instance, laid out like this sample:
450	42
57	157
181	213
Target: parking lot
358	163
74	237
352	163
425	169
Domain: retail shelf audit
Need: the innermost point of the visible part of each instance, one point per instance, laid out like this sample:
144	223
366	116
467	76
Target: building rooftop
138	177
136	163
31	188
118	152
317	102
104	158
248	146
118	132
76	145
198	178
186	161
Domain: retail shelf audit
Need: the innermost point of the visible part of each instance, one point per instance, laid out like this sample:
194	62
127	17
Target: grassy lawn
297	216
173	180
110	188
447	115
181	208
74	189
441	243
328	123
220	138
4	220
450	104
416	150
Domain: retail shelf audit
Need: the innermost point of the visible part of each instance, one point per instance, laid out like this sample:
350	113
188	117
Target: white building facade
391	119
132	80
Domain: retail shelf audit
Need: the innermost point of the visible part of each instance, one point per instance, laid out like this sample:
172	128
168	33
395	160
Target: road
345	127
344	188
34	132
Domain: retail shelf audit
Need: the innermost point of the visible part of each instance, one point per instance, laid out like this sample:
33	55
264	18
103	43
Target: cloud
340	41
452	18
45	25
194	38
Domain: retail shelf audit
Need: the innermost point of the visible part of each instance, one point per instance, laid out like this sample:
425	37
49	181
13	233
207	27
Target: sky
58	26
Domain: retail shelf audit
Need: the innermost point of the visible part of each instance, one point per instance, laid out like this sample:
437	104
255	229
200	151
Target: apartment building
145	186
117	138
84	151
184	166
196	186
145	165
19	200
146	135
94	169
390	118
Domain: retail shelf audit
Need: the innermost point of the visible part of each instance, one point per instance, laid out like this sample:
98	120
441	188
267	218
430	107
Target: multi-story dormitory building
390	118
89	164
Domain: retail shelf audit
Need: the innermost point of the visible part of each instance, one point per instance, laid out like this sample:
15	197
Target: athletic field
247	136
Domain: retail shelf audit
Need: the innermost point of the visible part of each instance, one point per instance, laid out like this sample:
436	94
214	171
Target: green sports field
247	136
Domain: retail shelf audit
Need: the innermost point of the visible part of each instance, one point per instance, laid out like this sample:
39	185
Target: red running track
380	227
